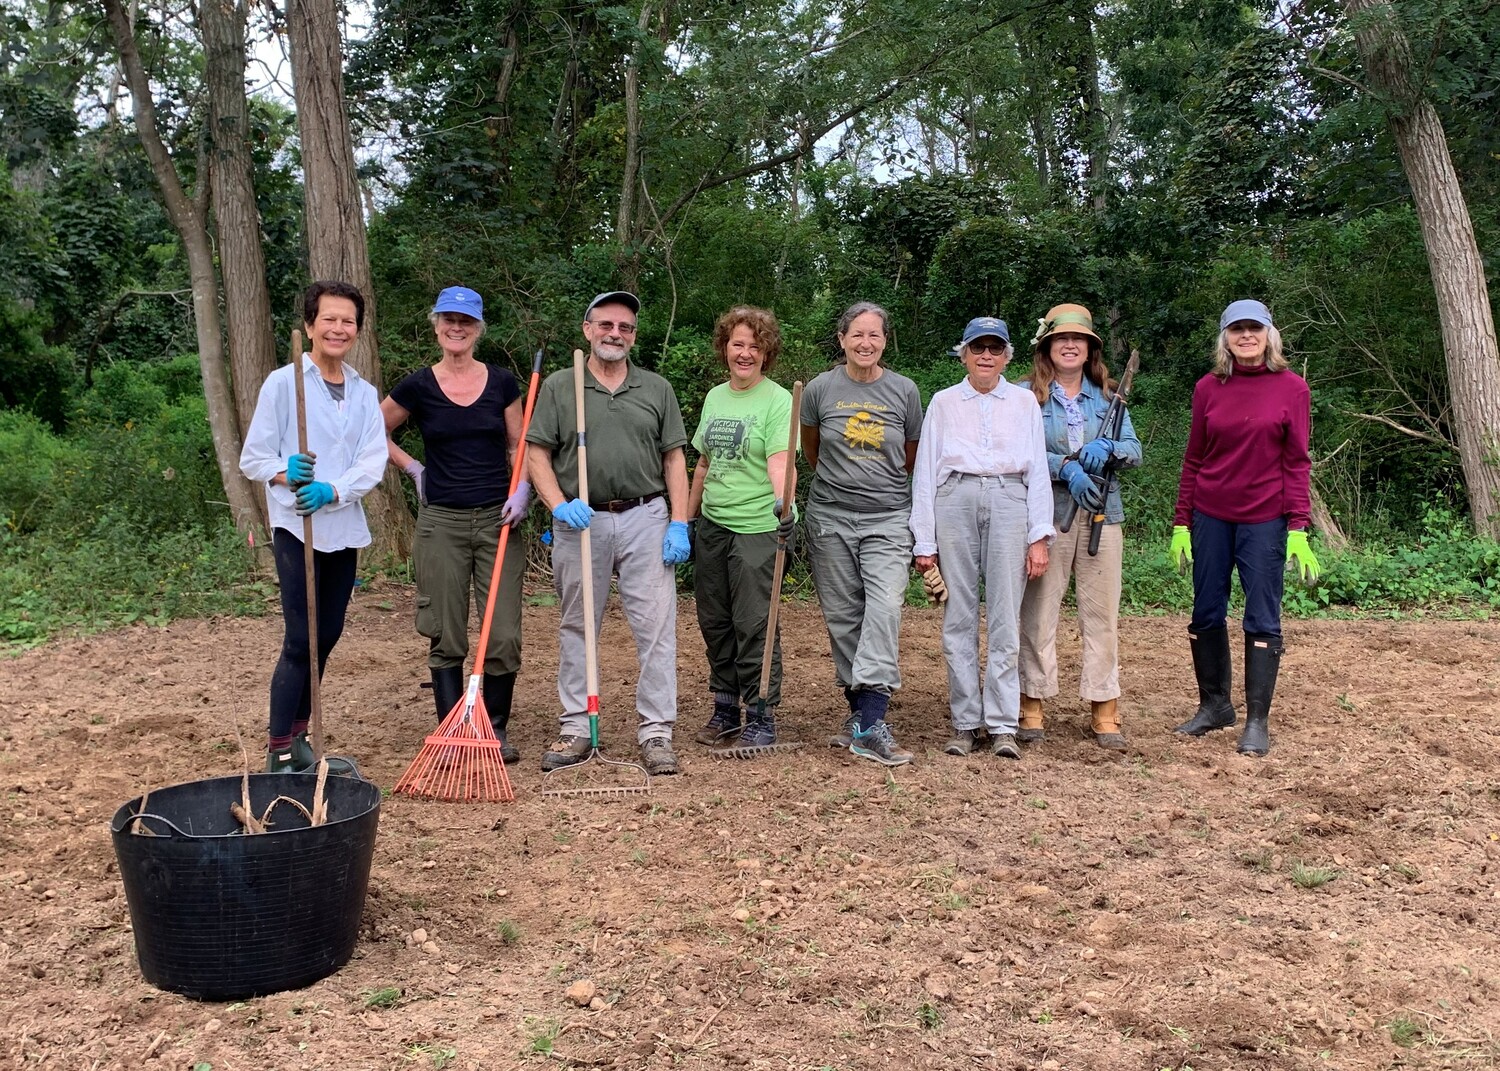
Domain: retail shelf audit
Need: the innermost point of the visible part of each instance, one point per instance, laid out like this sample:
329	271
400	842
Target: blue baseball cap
460	299
981	326
1245	309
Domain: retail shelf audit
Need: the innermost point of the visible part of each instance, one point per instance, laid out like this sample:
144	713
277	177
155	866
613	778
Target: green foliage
51	584
120	521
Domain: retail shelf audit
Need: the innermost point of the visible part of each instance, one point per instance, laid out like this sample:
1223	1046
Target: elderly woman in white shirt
982	508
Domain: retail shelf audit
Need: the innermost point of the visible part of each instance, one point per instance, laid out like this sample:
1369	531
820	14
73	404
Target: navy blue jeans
333	575
1259	551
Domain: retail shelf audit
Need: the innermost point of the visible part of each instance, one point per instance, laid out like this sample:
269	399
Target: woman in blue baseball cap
469	414
982	510
1243	503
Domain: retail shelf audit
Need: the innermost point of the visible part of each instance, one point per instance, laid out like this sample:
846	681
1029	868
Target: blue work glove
574	512
1095	455
299	470
1081	486
314	496
786	527
1300	560
676	547
514	510
416	470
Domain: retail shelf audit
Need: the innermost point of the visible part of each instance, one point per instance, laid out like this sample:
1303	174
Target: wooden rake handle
788	486
586	560
315	686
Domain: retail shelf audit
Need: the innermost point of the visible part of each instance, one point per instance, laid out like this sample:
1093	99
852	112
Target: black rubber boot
499	694
447	689
1262	663
1215	674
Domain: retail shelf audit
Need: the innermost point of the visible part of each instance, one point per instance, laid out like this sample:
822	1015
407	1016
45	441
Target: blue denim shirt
1092	403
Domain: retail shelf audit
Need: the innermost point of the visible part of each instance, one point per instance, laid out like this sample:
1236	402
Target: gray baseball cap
615	297
1245	309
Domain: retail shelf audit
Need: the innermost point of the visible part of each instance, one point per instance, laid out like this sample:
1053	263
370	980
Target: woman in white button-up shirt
345	460
982	507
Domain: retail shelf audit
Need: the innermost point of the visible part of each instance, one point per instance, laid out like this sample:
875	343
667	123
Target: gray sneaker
845	736
1003	745
567	751
877	743
657	756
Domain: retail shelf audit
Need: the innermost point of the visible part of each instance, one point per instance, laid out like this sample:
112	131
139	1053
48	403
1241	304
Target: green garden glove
1180	550
1300	560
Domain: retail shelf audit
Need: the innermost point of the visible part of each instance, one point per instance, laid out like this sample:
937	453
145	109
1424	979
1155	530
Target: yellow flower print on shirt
863	430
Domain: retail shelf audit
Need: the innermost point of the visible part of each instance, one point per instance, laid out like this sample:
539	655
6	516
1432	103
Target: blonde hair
432	318
1275	359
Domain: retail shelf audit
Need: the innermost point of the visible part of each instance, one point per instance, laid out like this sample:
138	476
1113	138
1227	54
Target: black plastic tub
221	915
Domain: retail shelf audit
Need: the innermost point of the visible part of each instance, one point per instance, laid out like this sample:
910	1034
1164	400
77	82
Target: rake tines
732	752
461	761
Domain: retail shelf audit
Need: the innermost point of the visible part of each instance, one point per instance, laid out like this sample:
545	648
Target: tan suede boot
1106	724
1030	731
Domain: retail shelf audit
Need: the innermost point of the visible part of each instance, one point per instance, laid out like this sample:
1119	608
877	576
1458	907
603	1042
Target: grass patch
929	1015
543	1034
1406	1031
1312	877
384	997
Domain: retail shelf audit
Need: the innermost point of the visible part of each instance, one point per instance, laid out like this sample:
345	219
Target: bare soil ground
1076	910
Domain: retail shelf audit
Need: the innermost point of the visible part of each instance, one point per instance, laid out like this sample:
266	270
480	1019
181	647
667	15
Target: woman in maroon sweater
1243	503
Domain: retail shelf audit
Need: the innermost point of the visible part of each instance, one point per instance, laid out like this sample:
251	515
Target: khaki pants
1097	583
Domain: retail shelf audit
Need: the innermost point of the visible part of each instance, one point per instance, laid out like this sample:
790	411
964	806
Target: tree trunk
242	260
625	225
1468	325
335	224
245	505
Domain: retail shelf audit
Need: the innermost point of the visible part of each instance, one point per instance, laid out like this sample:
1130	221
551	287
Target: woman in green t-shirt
742	445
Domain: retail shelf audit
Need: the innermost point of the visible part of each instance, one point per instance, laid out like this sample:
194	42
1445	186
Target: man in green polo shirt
636	516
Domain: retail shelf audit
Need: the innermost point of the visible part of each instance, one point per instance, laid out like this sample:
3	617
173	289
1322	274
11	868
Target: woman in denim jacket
1072	384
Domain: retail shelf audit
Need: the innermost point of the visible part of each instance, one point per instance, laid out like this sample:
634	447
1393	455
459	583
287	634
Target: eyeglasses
997	348
609	327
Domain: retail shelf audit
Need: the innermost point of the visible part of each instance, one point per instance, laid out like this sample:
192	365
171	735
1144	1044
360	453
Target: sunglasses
997	348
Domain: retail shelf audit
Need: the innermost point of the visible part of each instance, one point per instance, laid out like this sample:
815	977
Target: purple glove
514	510
415	469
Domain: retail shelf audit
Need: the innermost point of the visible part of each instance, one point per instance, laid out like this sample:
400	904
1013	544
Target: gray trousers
732	587
454	552
628	545
861	564
981	535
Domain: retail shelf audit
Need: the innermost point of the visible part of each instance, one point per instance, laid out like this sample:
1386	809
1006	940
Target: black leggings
333	576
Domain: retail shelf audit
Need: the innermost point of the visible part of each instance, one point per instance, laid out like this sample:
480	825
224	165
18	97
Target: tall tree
1468	324
335	222
242	260
187	216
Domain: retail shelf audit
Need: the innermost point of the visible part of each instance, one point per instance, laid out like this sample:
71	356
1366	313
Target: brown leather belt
620	505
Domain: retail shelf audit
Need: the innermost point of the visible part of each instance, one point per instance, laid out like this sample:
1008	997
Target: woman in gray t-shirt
860	425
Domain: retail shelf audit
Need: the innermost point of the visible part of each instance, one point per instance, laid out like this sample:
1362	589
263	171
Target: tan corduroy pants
1097	582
